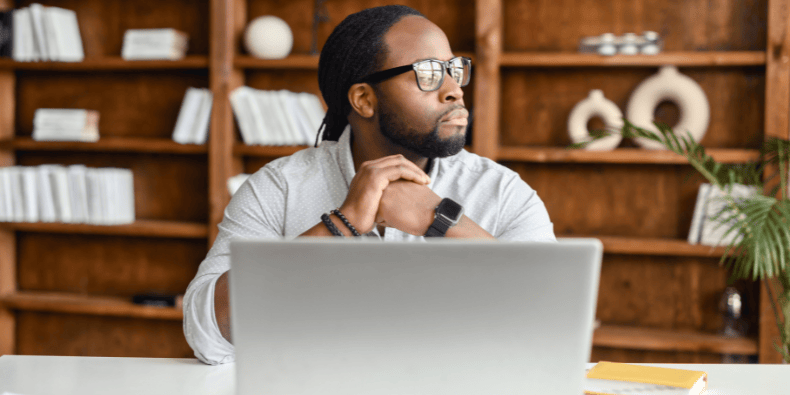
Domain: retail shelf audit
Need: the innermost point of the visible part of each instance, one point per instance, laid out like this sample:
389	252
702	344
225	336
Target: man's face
407	116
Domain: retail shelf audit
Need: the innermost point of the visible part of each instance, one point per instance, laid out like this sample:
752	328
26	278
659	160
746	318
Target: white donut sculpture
669	85
268	37
595	105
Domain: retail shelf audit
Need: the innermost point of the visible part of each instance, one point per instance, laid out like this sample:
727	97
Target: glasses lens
429	75
460	70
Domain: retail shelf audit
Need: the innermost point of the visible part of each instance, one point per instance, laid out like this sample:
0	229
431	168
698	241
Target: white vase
595	105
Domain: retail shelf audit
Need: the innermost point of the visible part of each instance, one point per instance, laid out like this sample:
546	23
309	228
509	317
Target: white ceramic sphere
268	37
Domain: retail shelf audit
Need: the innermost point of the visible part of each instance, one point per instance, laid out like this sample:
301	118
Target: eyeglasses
429	73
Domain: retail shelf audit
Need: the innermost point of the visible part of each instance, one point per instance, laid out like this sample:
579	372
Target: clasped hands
391	191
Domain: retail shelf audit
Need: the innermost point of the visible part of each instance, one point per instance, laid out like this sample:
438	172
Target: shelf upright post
488	48
777	124
224	36
7	236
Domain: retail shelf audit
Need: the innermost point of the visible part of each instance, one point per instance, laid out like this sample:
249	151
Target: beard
427	145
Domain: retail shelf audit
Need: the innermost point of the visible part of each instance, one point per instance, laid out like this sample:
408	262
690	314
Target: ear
363	99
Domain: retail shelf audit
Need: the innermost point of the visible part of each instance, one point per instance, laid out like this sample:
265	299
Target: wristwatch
448	213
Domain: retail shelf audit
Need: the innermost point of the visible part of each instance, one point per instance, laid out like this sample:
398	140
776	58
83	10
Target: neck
367	145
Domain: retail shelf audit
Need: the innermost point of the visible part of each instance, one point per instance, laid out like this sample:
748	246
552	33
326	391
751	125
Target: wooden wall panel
690	25
82	335
536	103
166	187
107	265
640	356
666	292
456	18
103	23
615	200
130	104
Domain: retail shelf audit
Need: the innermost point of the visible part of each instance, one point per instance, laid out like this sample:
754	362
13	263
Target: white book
5	196
699	214
167	44
292	117
94	198
40	37
270	134
126	178
281	111
277	113
50	32
235	182
713	230
240	106
17	194
68	118
46	202
18	52
302	120
200	131
3	187
24	23
66	45
30	186
187	116
314	108
60	188
77	193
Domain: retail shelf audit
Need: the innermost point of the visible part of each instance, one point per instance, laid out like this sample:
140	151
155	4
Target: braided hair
354	49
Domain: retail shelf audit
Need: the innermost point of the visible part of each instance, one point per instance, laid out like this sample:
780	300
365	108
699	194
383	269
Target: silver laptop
332	317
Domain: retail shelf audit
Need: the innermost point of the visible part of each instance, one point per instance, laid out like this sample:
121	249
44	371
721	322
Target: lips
456	116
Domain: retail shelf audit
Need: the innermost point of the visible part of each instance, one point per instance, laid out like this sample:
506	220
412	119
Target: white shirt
286	197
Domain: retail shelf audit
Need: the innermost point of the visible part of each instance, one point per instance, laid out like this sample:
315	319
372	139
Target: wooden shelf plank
109	144
141	228
295	61
109	63
620	155
656	246
84	304
637	338
681	59
270	151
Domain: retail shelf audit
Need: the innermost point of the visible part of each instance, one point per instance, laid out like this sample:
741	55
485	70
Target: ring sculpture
669	85
595	105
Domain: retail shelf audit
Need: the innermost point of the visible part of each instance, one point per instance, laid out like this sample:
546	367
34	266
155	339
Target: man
392	163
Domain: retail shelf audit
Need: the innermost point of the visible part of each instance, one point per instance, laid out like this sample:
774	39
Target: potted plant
761	250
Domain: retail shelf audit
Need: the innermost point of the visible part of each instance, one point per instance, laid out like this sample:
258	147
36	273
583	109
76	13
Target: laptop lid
351	316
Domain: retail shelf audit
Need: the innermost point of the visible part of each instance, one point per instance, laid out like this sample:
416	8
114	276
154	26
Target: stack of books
45	34
276	117
707	225
154	44
73	194
193	119
51	124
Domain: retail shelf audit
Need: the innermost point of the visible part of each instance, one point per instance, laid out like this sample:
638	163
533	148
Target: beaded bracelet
345	221
330	225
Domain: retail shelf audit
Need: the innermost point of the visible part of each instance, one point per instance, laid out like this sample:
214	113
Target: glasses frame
382	75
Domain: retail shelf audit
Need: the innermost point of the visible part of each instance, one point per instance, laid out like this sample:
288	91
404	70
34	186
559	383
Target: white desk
37	375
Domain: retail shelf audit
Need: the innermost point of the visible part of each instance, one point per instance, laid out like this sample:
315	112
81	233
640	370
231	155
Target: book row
58	124
69	194
150	44
708	226
39	33
276	117
193	118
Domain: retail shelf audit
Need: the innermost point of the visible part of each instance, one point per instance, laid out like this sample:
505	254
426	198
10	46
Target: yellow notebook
610	378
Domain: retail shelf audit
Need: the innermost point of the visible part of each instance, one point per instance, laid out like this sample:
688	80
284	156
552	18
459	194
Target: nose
450	90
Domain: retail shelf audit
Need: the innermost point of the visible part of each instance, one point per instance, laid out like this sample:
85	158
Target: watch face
450	209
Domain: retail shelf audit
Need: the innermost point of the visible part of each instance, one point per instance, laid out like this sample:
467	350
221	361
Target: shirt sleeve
523	216
255	211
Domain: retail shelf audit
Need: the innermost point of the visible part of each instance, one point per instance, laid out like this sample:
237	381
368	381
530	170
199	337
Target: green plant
762	221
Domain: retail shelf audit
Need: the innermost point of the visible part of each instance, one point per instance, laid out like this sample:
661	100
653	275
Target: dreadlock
353	50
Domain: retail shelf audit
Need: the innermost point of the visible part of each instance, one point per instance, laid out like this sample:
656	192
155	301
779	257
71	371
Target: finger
403	165
398	172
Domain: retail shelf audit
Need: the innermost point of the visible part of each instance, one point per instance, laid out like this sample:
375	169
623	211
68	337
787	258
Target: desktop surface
46	375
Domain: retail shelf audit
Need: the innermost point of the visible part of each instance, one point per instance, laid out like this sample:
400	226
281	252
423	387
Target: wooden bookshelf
527	77
640	338
110	144
140	228
108	64
620	155
109	306
680	59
